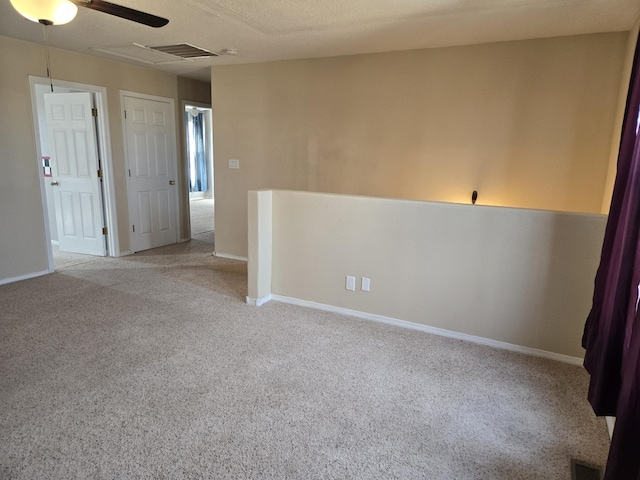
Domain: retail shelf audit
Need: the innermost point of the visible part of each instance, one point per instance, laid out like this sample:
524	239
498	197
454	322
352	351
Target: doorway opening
199	145
78	200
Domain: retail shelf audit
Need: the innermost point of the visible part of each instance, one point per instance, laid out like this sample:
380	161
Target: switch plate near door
351	283
234	163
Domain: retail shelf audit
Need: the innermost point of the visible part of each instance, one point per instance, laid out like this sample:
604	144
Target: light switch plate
351	283
234	163
366	284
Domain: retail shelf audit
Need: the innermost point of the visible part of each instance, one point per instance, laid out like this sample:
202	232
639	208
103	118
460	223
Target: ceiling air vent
184	50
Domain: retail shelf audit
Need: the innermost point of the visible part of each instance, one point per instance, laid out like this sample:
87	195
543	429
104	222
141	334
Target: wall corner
617	130
259	266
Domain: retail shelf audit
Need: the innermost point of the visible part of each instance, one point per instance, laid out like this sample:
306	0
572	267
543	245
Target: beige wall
523	277
617	128
526	123
22	244
22	237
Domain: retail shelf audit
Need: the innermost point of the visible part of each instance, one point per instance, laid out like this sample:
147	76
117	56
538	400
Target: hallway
202	215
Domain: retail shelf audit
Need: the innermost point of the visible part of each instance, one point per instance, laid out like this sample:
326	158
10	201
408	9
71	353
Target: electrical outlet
366	284
351	283
234	163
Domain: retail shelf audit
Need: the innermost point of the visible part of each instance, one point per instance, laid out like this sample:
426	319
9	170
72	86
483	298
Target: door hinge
134	227
94	112
129	172
104	230
125	114
99	173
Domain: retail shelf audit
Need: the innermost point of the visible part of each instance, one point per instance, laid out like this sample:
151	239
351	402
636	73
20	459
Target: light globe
48	12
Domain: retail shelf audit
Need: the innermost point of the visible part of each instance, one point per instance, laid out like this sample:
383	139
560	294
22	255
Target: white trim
183	240
43	192
125	253
257	302
185	170
231	257
4	281
436	331
193	103
104	147
104	144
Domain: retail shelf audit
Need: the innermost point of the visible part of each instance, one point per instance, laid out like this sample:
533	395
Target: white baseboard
122	254
55	242
4	281
182	240
256	302
231	257
437	331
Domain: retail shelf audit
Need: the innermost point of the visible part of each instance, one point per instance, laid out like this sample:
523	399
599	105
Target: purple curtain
612	331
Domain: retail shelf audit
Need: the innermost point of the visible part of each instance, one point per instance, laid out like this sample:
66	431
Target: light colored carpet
202	215
152	366
66	259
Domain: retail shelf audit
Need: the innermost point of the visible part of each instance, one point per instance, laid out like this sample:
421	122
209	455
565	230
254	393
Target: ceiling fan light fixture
47	12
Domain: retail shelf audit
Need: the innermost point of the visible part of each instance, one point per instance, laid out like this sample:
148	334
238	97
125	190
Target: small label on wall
234	163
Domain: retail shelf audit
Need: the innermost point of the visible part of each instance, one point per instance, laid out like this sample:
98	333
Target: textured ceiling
288	29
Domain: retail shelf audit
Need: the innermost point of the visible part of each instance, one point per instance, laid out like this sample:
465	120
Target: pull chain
48	60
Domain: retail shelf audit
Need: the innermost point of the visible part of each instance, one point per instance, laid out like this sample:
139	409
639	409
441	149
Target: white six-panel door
74	160
152	162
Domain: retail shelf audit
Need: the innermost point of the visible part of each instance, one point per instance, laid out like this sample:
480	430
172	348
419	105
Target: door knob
172	182
54	184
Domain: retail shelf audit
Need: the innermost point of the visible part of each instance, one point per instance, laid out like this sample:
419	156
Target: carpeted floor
202	215
152	366
66	259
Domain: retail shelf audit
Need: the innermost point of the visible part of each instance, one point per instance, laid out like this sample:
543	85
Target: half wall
511	276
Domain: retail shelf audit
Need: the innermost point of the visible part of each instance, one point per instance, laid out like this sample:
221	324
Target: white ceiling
287	29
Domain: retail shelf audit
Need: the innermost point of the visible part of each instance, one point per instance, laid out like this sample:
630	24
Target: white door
153	167
74	166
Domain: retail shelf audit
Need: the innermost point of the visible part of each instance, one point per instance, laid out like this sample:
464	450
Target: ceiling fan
59	12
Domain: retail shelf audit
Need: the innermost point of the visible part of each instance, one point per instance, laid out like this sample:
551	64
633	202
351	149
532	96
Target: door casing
104	146
184	168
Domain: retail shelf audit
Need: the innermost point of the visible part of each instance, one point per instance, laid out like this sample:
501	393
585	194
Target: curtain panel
197	155
612	330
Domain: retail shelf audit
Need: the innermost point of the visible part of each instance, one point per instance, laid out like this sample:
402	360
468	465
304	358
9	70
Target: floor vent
184	50
584	471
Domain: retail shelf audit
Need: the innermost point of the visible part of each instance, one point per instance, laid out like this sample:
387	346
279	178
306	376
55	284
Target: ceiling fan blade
123	12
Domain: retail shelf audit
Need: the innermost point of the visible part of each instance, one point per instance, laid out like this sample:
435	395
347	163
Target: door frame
174	150
104	150
185	146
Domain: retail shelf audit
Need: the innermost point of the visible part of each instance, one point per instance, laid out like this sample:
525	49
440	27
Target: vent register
584	471
184	50
158	55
